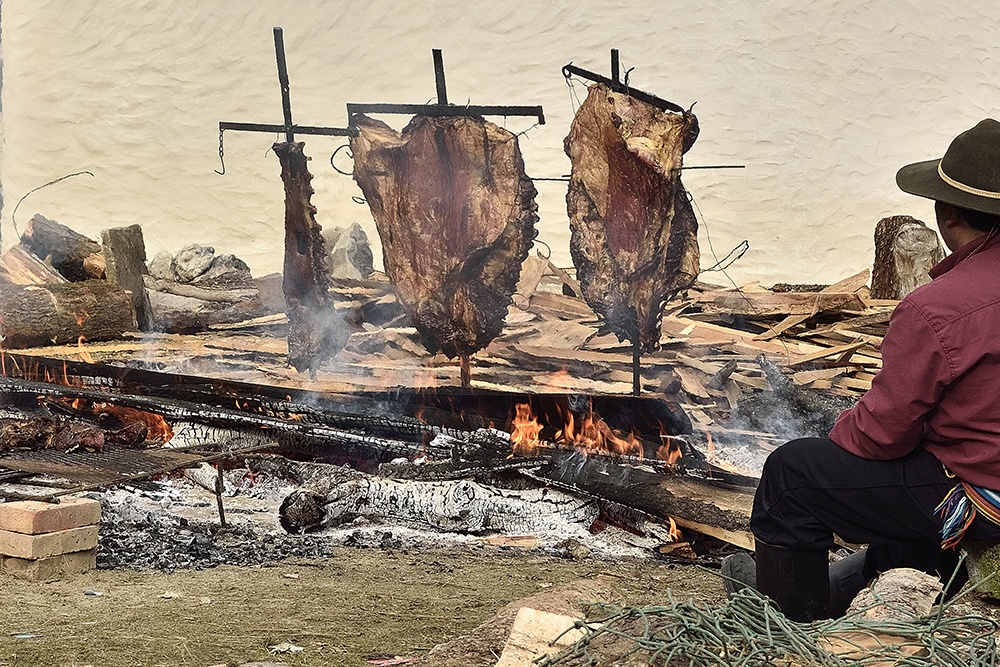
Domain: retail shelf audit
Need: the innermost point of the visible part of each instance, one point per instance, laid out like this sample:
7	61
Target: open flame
588	433
669	451
84	355
675	532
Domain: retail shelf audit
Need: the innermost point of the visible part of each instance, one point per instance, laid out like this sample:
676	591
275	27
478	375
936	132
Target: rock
162	266
226	272
272	297
193	261
899	594
350	254
983	563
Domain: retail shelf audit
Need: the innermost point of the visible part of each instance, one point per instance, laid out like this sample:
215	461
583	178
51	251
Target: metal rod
220	485
466	370
442	91
615	67
297	129
636	355
286	100
619	87
449	110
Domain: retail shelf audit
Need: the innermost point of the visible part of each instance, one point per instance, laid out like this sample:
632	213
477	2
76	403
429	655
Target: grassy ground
340	611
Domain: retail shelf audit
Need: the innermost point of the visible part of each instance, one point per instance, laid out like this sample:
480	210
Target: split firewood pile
58	286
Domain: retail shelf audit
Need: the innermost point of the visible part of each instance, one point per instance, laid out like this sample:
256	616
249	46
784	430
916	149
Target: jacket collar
952	260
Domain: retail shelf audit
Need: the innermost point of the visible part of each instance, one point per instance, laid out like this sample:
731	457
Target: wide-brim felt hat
968	176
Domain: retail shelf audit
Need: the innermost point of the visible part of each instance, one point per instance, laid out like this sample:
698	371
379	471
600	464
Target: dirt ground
361	604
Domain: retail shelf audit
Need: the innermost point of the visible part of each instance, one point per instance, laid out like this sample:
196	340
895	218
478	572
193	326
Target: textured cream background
822	100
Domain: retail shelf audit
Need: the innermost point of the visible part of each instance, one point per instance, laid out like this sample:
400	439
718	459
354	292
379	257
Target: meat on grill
633	231
456	214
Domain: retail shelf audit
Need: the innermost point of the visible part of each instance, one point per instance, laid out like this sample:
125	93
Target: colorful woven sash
961	506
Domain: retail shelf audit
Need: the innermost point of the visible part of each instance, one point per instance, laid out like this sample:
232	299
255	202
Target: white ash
174	525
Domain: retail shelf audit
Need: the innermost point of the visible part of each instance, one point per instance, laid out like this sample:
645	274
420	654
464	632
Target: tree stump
905	250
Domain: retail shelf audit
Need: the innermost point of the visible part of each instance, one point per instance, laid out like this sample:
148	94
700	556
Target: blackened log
32	315
72	254
633	229
456	214
315	331
125	253
707	507
905	250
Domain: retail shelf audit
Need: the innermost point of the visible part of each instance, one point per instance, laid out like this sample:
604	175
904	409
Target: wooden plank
780	303
564	307
852	284
808	377
825	354
741	538
18	266
531	634
869	319
531	274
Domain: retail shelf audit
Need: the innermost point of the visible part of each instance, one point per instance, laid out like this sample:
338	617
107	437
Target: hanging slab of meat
456	214
633	232
315	330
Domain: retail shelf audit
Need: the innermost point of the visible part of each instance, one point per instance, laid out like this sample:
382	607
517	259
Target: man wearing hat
914	467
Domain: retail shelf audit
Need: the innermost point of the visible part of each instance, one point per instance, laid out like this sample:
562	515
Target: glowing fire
675	532
589	433
669	451
524	430
83	353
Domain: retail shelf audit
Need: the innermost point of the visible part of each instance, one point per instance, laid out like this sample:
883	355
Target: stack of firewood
58	286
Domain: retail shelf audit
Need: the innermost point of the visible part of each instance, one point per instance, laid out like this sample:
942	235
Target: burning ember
115	417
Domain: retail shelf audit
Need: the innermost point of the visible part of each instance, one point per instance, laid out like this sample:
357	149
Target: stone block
983	563
53	567
34	517
61	542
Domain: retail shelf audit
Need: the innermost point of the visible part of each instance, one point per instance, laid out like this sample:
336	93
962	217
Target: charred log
456	506
35	315
72	254
315	331
456	214
634	233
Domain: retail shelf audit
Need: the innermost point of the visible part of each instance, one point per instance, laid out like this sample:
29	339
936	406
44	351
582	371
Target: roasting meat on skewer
456	214
633	230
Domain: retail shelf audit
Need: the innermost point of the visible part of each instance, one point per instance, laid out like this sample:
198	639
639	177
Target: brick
53	567
33	517
47	544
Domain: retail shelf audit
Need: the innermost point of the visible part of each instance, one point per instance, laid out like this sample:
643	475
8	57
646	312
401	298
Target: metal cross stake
289	128
442	108
314	332
615	84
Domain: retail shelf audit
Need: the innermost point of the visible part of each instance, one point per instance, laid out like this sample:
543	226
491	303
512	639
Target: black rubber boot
847	578
739	571
796	579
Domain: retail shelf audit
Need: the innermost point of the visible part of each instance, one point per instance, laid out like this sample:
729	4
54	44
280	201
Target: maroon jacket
939	387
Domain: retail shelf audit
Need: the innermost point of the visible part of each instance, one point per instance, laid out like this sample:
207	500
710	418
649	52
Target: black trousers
811	490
